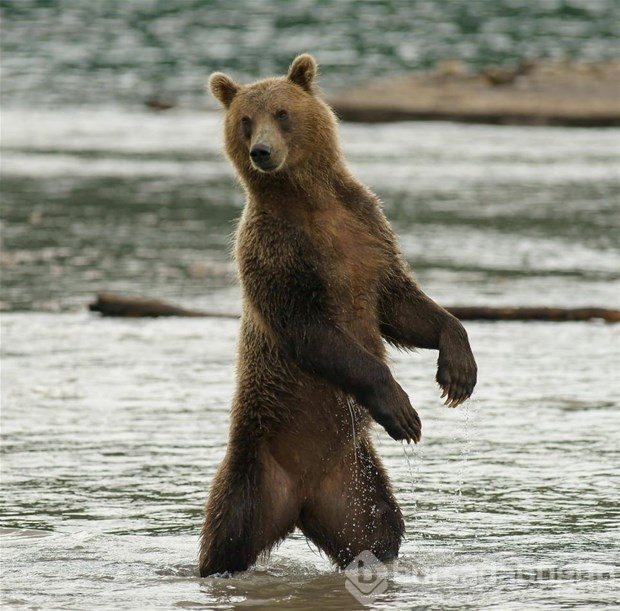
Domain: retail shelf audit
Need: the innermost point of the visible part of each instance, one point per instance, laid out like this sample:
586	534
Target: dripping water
350	406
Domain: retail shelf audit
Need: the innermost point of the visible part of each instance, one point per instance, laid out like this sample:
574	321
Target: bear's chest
353	258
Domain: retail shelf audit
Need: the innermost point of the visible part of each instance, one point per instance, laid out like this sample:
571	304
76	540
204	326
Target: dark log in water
534	313
110	304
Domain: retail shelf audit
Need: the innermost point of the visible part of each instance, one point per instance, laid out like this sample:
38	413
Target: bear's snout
260	154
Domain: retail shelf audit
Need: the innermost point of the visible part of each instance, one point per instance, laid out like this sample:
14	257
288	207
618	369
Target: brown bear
323	285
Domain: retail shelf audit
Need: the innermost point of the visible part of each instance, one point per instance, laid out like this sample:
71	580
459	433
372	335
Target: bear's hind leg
353	509
251	508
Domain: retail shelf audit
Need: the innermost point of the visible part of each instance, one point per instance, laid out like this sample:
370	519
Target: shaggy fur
323	285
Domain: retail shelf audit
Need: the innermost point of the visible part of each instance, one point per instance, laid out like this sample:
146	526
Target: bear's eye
246	126
281	115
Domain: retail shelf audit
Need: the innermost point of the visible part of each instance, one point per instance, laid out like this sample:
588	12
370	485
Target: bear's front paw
456	375
391	408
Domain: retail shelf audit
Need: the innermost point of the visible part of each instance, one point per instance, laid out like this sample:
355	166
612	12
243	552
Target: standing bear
324	284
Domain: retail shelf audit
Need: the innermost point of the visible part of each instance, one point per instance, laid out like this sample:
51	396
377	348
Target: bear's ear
303	71
223	88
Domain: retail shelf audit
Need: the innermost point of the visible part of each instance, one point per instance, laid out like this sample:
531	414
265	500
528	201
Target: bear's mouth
266	167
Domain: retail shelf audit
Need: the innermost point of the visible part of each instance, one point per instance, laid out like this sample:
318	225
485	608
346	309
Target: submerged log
110	304
534	313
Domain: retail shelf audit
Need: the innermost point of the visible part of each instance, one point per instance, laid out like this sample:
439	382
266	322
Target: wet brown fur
323	285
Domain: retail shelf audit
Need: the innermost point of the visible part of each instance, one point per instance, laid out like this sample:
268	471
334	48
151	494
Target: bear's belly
326	425
302	421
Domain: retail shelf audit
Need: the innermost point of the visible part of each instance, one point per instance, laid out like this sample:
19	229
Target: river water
112	429
74	52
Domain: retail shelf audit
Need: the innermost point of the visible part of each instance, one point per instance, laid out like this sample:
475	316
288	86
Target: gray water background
112	429
81	52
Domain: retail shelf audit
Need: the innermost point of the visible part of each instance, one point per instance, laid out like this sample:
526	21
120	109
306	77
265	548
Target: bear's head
278	125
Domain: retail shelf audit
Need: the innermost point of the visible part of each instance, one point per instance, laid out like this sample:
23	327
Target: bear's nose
260	152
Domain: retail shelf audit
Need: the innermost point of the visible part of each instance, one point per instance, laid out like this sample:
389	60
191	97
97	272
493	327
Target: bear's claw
457	380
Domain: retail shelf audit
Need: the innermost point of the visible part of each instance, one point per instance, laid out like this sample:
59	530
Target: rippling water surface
72	51
112	429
